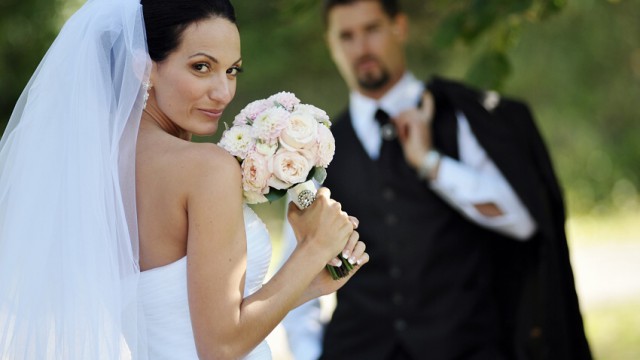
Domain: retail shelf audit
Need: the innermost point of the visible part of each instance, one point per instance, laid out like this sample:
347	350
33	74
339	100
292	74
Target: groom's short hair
390	7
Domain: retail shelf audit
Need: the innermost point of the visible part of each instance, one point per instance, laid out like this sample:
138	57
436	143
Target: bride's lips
212	113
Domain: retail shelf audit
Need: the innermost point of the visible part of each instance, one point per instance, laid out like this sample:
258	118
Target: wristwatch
429	164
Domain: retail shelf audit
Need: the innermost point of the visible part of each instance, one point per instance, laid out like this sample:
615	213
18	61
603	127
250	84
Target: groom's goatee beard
378	83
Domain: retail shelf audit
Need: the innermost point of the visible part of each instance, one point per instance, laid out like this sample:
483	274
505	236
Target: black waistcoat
428	284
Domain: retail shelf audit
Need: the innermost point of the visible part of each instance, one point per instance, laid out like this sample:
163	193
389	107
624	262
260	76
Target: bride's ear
154	72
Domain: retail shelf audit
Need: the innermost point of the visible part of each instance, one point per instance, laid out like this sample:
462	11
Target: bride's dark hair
165	21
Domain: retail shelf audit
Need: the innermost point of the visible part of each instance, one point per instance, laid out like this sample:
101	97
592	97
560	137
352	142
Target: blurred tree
27	28
582	71
493	23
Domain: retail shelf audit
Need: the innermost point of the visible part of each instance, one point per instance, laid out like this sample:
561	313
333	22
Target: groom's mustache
366	58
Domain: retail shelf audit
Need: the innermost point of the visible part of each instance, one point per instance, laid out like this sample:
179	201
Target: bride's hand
323	224
324	284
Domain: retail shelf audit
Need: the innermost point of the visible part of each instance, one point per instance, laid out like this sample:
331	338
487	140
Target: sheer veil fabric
68	232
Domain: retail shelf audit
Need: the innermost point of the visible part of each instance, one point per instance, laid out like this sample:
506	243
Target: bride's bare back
166	168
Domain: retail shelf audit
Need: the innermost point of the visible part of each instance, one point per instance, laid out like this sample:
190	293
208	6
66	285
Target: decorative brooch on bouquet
282	146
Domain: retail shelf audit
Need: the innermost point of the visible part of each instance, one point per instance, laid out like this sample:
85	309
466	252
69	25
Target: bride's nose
222	89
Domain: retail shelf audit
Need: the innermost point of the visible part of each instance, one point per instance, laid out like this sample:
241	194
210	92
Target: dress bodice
164	302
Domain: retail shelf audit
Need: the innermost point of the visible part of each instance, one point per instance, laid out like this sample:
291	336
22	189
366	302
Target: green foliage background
576	63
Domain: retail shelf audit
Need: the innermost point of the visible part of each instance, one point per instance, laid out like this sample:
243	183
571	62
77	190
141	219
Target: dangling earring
147	85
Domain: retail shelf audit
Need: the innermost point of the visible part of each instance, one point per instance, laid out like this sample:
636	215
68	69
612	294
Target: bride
120	238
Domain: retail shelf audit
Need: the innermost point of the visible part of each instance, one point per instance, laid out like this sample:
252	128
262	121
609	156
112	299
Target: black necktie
387	129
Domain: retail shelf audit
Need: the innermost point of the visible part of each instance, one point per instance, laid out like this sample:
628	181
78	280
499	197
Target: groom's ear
400	27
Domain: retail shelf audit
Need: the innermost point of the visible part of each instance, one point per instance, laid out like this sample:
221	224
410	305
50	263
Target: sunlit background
577	63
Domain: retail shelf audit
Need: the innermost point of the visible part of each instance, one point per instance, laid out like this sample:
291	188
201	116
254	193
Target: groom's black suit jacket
437	285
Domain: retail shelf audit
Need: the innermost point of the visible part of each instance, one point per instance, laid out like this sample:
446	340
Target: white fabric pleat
68	231
165	299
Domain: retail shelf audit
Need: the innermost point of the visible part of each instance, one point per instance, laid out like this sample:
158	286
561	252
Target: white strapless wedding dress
165	306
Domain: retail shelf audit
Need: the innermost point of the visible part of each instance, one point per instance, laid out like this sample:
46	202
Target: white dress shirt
472	180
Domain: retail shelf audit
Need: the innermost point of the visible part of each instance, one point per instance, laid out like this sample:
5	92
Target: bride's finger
336	262
354	220
358	251
324	192
362	260
351	243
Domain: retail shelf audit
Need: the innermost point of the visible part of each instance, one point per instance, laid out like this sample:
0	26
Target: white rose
255	173
326	146
237	140
301	131
319	114
288	168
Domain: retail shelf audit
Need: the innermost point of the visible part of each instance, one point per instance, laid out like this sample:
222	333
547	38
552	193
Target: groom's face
367	46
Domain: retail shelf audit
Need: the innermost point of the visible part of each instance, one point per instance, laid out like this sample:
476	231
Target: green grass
607	228
614	330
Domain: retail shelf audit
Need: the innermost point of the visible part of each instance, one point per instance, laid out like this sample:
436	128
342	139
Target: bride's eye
234	70
201	67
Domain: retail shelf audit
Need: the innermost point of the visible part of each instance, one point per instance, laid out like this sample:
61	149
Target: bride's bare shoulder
209	164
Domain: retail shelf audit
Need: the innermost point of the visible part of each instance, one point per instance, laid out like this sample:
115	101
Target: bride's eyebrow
213	59
205	55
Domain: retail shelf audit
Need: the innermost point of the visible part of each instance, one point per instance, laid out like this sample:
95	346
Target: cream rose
326	146
287	168
301	131
319	114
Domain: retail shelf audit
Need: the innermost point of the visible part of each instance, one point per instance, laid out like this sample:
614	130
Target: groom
458	204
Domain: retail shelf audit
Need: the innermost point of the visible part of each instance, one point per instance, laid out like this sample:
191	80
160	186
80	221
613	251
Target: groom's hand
414	130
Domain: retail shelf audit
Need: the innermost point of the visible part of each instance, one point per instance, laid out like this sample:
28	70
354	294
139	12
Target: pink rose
255	174
288	168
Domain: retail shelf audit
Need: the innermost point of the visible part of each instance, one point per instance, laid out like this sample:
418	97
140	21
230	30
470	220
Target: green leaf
550	7
477	22
320	174
490	70
275	194
449	30
519	6
311	174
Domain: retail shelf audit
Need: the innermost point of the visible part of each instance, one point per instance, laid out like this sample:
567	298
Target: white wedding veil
68	231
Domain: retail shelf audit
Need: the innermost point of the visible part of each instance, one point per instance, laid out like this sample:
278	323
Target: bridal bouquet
282	145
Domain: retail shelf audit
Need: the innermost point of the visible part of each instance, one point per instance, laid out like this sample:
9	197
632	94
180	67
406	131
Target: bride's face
196	82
